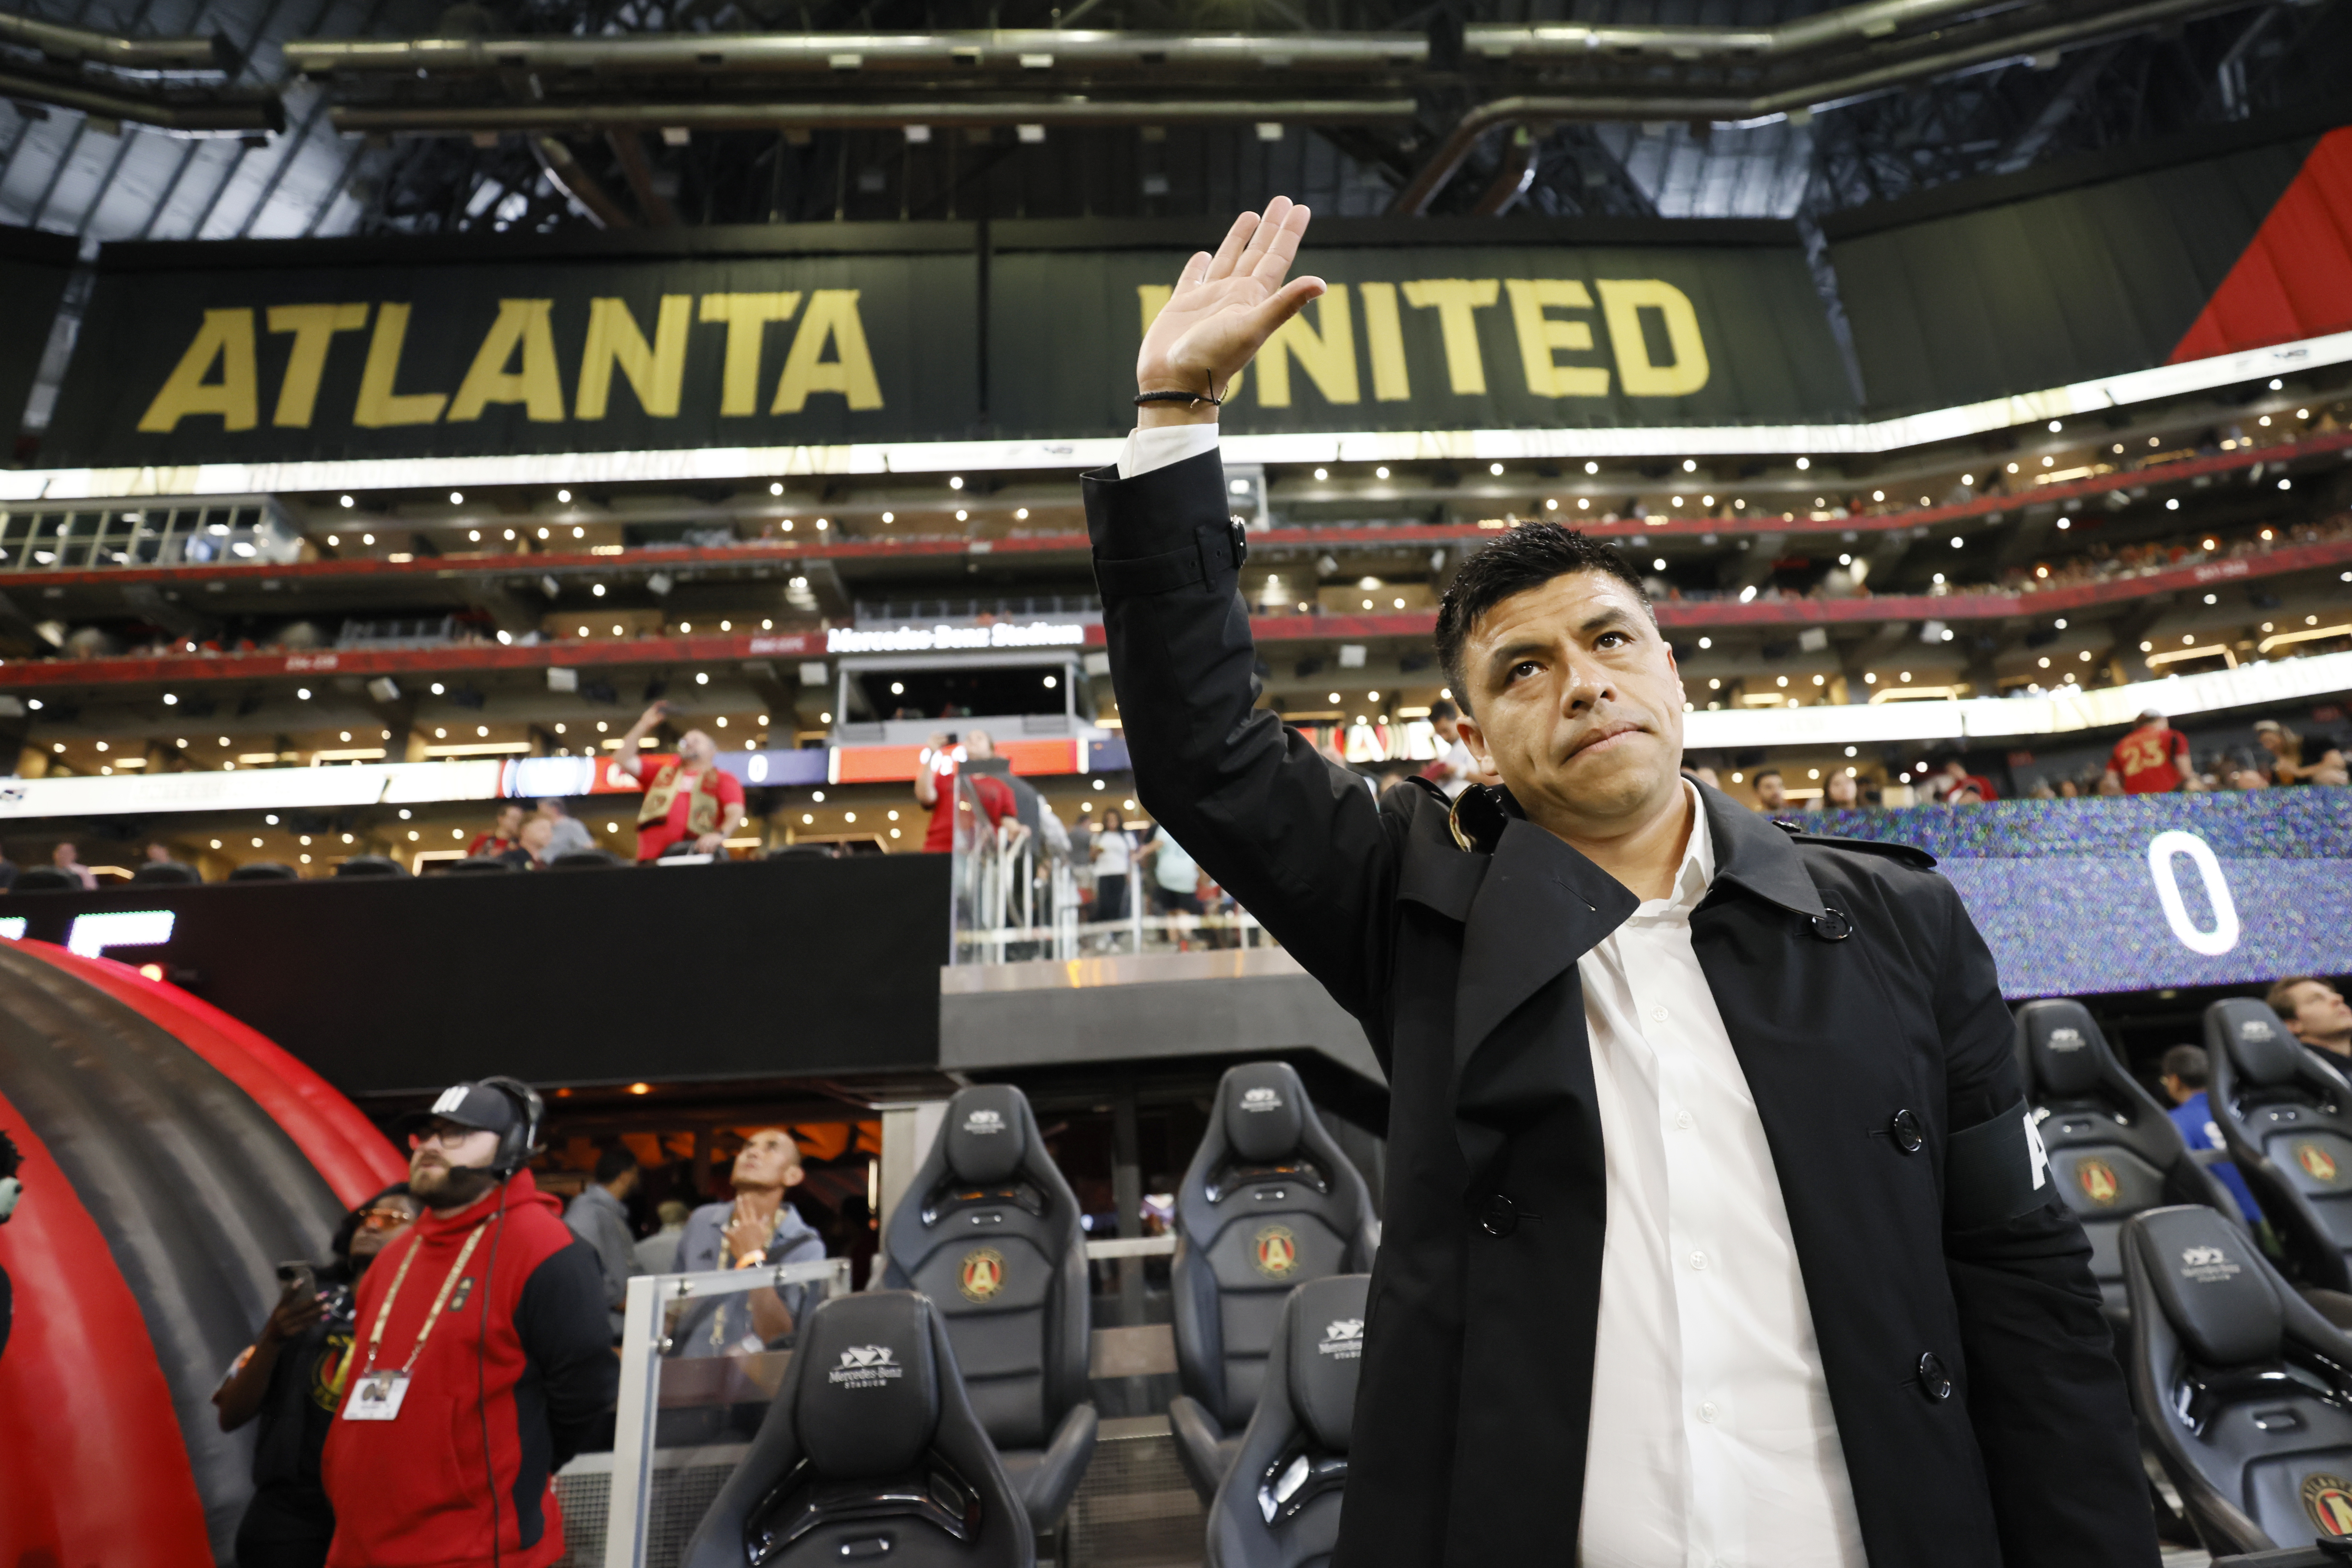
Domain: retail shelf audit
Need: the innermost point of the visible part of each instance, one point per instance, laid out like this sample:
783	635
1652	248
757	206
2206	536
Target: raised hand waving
1224	308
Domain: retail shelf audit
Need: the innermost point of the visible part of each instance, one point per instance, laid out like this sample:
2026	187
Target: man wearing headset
481	1357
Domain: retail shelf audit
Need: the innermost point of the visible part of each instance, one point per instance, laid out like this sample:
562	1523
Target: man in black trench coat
1954	1331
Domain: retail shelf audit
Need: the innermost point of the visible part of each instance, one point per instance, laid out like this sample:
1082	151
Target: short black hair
614	1163
1528	556
2186	1062
1767	773
1443	708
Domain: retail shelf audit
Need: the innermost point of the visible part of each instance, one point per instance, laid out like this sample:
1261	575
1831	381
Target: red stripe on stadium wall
356	1160
97	1473
2294	279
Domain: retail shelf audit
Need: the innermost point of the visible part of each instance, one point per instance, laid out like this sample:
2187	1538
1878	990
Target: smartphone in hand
297	1279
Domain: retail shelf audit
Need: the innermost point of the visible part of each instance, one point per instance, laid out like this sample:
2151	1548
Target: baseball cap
2149	715
2267	724
475	1105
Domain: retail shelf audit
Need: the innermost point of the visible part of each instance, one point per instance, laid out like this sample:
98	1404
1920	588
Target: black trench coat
1983	1418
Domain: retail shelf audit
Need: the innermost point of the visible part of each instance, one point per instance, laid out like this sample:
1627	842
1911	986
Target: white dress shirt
1712	1440
1712	1443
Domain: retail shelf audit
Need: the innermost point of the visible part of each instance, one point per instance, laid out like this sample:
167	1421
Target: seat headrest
2066	1047
1324	1319
2211	1286
869	1400
2256	1041
1264	1108
987	1133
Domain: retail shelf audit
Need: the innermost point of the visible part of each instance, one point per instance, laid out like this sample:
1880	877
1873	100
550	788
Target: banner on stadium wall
34	269
2083	897
258	352
2026	287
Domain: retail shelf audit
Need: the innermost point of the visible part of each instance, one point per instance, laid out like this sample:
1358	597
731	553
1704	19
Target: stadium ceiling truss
231	117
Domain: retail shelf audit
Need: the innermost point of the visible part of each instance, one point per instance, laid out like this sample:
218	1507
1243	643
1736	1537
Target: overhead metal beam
1829	90
238	112
461	119
1031	51
1851	24
81	45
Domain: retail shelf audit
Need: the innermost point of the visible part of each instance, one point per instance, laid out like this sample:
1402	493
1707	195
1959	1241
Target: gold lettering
227	337
1623	300
522	324
379	405
656	372
1329	357
1454	299
314	327
1385	338
1154	297
831	318
1540	336
747	317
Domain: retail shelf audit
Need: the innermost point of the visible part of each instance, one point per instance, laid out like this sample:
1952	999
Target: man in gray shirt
570	834
756	1228
599	1218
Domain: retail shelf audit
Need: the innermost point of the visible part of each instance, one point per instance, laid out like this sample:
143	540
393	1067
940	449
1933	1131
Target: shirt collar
1694	875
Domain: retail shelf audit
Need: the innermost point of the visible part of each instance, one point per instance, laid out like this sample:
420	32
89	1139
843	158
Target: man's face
2320	1011
1576	704
979	745
509	819
1448	729
769	1158
381	1225
695	749
62	855
1770	792
444	1149
535	834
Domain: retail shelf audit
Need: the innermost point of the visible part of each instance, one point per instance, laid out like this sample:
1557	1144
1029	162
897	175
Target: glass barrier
696	1377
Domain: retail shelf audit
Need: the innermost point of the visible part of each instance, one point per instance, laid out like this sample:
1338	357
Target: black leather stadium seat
370	865
989	1230
44	879
2113	1151
1270	1201
2287	1115
2242	1388
869	1454
472	865
265	871
585	859
167	871
1279	1505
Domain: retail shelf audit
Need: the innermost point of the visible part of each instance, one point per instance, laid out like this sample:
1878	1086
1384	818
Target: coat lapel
1540	907
1754	856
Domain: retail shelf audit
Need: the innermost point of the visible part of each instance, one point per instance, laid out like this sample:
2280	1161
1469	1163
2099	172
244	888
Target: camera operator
481	1357
291	1377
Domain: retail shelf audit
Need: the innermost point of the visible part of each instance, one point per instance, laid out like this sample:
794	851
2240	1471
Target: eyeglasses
447	1137
385	1218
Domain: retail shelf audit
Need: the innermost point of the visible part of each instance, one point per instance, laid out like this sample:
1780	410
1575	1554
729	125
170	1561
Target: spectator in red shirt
506	836
2153	759
939	785
687	798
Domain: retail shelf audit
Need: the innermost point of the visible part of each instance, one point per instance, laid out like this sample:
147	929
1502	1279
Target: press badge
376	1396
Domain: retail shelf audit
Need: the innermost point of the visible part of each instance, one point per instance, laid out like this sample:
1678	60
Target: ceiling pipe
1018	51
458	119
1804	98
217	114
81	45
1851	24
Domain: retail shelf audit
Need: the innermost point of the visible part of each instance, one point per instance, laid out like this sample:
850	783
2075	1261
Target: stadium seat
265	871
870	1452
2240	1387
989	1230
167	871
1279	1506
370	865
2287	1115
472	865
44	879
585	859
2113	1150
1270	1201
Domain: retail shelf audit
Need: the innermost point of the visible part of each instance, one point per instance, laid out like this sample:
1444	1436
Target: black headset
519	1142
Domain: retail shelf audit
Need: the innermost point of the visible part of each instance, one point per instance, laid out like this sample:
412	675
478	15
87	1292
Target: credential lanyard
383	1312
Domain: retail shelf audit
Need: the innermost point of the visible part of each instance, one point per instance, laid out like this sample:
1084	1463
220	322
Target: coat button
1934	1380
1240	537
1905	1132
1832	925
1502	1216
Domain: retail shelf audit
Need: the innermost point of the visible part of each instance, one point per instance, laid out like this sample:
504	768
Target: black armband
1996	1170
